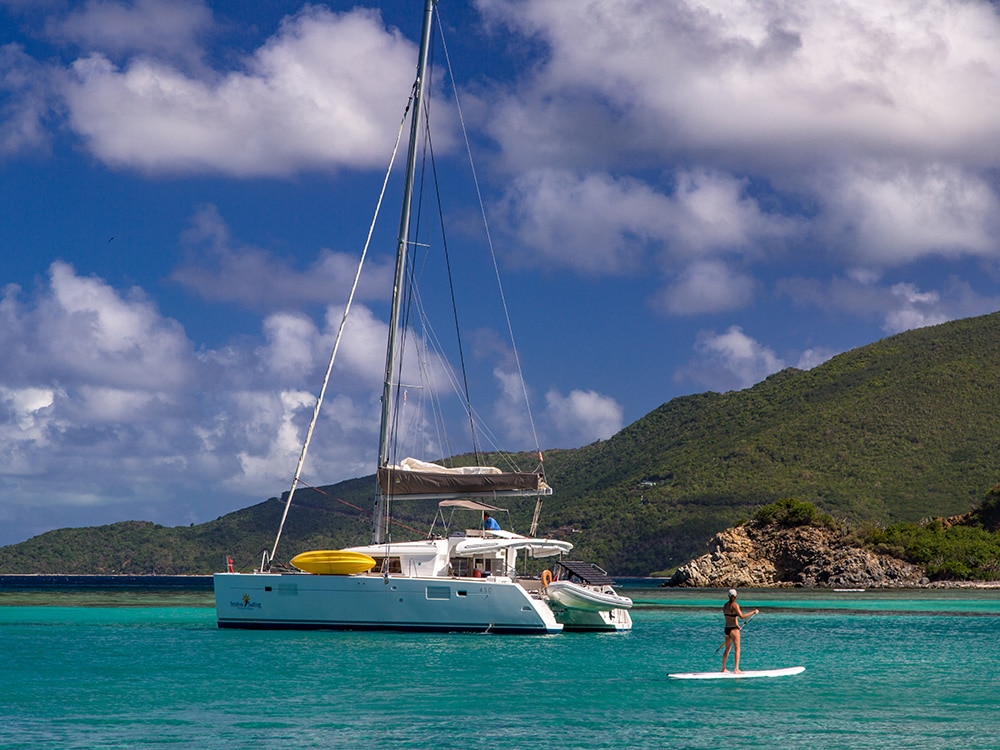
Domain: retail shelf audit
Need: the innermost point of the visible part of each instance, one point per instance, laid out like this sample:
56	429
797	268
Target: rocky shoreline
759	555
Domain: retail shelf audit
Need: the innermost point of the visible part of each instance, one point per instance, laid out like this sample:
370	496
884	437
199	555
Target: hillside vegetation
964	548
899	431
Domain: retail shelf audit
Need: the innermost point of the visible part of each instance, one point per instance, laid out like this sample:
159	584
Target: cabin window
439	592
395	566
463	567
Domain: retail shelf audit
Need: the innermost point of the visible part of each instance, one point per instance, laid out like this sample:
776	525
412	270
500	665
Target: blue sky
682	197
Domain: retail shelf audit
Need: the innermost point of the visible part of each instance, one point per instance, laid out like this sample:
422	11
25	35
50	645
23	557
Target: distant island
885	439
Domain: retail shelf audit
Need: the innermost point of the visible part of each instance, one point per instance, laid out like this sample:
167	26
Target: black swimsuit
731	628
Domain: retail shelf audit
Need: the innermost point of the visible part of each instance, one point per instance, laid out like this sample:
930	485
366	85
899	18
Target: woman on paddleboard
733	615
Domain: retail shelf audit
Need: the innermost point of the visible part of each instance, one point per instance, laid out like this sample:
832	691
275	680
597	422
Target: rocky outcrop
763	556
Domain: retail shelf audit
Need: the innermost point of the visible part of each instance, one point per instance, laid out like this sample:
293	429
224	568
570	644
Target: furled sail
412	477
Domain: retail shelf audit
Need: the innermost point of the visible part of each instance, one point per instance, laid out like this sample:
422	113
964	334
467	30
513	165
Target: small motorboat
575	596
583	597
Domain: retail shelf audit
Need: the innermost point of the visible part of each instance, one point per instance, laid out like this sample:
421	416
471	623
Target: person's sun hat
732	593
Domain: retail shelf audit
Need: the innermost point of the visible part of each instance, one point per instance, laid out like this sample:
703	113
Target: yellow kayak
333	562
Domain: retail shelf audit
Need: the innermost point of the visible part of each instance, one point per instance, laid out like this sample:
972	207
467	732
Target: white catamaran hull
371	602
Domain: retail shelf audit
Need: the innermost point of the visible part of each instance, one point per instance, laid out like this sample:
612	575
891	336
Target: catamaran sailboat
464	580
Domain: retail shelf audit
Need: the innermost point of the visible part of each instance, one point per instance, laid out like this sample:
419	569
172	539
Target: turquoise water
888	670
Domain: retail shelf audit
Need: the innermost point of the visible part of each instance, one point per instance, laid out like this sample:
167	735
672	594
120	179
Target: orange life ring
546	578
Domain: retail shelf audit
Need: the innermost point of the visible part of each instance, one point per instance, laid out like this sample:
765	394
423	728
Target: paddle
745	621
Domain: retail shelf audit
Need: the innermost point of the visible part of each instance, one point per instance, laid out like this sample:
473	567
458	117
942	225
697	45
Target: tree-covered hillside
897	431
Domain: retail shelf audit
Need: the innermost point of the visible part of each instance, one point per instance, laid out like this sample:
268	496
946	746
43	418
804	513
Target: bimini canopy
586	572
470	505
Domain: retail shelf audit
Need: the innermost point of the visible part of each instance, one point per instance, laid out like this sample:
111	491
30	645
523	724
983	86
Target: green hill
900	430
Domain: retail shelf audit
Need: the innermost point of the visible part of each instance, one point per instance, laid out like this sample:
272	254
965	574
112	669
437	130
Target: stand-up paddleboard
332	562
737	675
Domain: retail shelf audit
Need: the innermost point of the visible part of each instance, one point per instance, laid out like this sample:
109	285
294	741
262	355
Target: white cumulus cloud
731	360
709	286
595	223
326	92
105	403
581	417
150	27
867	130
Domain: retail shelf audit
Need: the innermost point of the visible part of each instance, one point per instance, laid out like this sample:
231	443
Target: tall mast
379	522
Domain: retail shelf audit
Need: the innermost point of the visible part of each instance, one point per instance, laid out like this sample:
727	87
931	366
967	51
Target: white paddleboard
737	675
